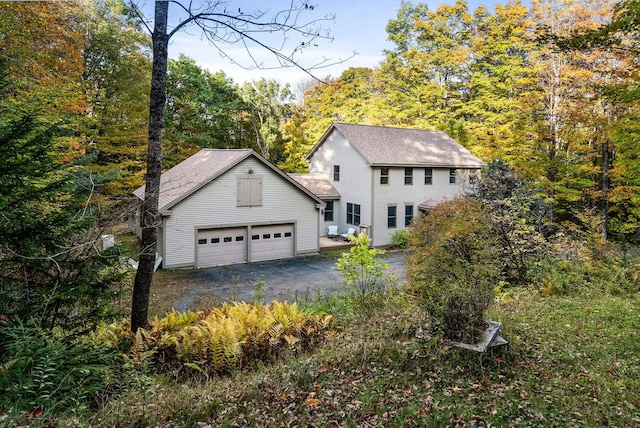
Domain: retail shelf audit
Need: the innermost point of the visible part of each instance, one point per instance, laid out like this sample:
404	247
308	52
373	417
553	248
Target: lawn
570	362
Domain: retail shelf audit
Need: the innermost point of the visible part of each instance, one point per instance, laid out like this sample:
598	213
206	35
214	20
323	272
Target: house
375	179
232	206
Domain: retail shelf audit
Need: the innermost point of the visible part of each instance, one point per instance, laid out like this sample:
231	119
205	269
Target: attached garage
221	246
222	207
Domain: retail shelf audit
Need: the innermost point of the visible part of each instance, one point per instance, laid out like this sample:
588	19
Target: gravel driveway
291	279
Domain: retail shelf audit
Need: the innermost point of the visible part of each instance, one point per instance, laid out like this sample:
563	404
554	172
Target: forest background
74	115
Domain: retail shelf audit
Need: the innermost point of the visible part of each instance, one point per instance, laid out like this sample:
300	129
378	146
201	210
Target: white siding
214	205
396	192
355	178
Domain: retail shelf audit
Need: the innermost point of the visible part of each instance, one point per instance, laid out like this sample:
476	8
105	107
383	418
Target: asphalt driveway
291	279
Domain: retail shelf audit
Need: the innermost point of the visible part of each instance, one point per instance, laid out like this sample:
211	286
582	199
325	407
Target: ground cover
572	361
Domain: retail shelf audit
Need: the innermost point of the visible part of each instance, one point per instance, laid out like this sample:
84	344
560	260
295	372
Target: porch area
327	244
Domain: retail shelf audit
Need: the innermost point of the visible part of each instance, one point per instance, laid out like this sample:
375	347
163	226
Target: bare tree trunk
150	215
604	215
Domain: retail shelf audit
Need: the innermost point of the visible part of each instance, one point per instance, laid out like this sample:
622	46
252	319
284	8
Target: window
266	236
353	214
384	176
287	234
408	176
391	216
215	240
328	211
428	176
452	176
249	192
202	241
228	239
336	173
255	237
239	238
277	235
408	215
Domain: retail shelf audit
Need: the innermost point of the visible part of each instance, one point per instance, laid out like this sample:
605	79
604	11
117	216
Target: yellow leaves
222	339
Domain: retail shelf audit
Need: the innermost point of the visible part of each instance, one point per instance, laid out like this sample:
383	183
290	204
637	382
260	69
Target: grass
570	362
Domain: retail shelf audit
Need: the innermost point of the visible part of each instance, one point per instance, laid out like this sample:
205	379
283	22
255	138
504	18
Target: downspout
371	209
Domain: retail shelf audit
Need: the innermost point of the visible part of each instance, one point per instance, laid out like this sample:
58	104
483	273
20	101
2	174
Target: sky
359	27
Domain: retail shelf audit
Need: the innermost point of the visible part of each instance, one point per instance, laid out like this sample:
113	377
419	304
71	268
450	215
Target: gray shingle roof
193	173
203	167
387	146
318	184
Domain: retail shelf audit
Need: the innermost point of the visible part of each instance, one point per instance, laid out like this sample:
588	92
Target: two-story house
376	179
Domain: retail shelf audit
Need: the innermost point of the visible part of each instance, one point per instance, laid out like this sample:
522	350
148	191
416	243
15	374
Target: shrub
454	266
361	268
50	371
400	239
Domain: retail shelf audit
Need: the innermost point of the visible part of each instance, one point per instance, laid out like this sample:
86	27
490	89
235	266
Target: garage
272	242
221	246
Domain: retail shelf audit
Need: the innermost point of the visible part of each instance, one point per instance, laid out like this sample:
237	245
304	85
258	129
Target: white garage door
221	246
271	242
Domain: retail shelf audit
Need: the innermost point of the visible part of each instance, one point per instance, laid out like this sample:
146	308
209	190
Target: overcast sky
359	27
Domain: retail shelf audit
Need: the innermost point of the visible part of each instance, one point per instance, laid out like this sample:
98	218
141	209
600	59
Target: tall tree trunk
604	215
150	215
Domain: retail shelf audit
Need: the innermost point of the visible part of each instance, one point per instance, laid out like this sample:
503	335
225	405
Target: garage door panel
221	246
272	242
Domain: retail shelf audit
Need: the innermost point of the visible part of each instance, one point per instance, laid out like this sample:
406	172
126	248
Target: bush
455	267
361	268
400	239
50	371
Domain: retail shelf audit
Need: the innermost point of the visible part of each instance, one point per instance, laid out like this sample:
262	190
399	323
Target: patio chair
332	232
350	232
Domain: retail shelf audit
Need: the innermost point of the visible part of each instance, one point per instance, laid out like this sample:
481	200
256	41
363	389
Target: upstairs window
408	176
452	176
428	176
384	176
249	191
336	173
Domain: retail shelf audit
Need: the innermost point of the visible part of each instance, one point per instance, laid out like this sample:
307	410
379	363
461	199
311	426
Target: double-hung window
353	214
428	176
408	176
408	215
452	176
392	216
384	175
328	211
336	173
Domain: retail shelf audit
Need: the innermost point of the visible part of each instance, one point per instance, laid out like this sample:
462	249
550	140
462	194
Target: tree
203	109
360	267
268	106
52	274
219	25
116	82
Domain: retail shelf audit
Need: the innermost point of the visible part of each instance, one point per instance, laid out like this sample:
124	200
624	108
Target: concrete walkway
291	279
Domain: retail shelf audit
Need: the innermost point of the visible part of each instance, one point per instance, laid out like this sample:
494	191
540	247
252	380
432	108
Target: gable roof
200	169
318	184
388	146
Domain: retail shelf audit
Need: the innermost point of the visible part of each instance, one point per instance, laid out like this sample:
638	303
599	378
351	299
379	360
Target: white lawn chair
332	232
350	232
